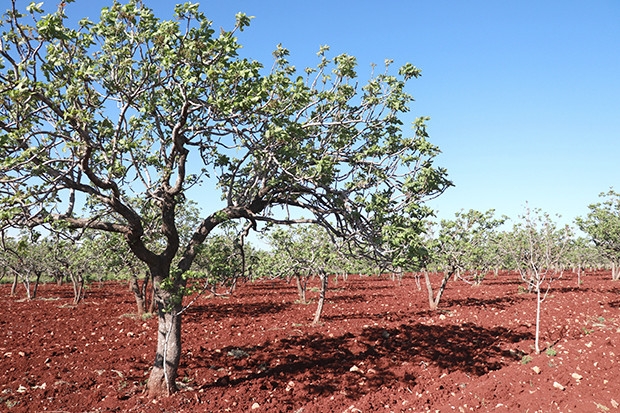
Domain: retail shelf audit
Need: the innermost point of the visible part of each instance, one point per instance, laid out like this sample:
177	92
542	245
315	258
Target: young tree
539	247
138	107
223	259
27	258
304	252
602	224
461	245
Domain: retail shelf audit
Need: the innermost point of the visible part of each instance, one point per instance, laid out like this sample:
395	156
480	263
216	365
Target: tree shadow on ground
323	364
198	312
500	303
467	348
616	303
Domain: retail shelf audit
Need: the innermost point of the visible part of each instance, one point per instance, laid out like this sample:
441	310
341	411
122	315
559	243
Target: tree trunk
162	381
615	271
319	309
36	284
78	287
434	301
301	287
14	285
138	292
538	305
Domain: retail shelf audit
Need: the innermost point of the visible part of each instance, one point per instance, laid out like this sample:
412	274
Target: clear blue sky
524	96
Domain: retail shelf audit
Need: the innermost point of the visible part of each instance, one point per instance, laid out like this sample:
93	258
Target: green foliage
302	251
537	246
467	243
602	225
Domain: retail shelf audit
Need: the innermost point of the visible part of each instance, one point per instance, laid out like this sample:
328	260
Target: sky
523	96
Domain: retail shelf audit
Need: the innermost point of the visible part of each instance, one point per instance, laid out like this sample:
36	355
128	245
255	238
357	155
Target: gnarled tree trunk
162	381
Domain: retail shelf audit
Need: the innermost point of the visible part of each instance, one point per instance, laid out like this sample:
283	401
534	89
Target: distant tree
305	252
602	224
77	263
462	244
539	246
27	259
223	259
134	107
582	254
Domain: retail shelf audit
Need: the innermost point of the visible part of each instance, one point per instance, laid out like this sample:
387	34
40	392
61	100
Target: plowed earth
378	349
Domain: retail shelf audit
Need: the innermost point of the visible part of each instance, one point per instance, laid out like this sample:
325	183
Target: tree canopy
602	224
95	115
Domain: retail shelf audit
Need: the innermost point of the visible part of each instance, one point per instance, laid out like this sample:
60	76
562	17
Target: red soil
378	349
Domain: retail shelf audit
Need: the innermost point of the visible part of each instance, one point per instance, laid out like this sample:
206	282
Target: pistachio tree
539	247
96	114
602	225
304	252
27	259
465	243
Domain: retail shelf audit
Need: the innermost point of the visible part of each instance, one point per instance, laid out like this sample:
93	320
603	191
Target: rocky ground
378	349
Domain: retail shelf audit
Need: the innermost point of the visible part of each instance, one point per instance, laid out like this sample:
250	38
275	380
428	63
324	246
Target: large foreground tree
95	115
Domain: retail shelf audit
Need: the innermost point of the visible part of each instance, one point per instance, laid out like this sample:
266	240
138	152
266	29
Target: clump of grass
551	352
147	316
526	359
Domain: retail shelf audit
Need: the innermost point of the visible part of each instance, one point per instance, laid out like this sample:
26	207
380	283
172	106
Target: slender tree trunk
78	287
319	309
26	282
14	285
301	287
615	271
138	292
433	301
36	284
538	306
162	381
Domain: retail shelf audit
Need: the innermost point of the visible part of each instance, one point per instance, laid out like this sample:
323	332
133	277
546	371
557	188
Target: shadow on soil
228	310
497	302
323	364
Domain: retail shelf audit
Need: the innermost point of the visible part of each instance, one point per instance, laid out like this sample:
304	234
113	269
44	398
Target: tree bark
433	301
301	288
139	293
36	284
319	309
14	285
162	381
615	271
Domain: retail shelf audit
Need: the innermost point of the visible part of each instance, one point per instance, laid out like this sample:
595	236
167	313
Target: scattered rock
355	368
615	404
558	385
577	376
255	406
536	369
